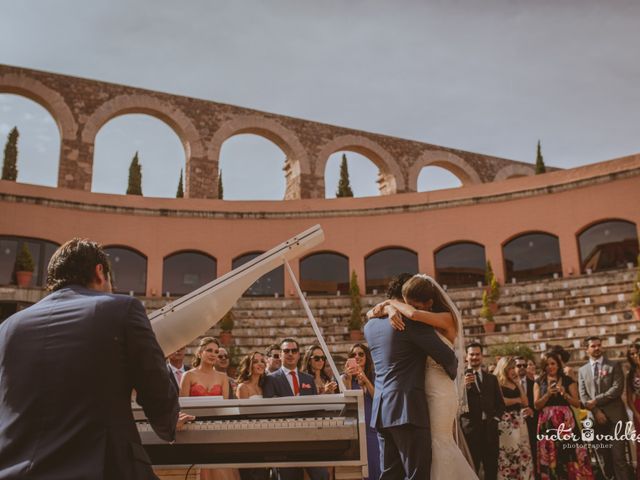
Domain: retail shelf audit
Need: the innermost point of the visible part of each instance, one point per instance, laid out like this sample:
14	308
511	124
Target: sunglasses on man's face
356	354
521	365
275	355
289	350
317	358
222	356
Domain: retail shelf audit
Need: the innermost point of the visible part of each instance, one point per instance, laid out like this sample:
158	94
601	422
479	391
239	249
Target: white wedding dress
448	462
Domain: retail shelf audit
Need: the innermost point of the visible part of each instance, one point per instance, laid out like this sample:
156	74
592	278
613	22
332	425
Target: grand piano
322	430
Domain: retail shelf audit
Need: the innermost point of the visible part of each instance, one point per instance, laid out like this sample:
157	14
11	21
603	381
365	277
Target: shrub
24	260
512	350
226	324
355	321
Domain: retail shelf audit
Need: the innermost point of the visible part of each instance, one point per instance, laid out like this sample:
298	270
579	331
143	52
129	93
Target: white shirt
290	379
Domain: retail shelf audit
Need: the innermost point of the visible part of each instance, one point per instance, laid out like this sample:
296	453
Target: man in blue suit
288	381
68	365
399	411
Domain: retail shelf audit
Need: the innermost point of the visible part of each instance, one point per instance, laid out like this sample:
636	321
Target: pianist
67	367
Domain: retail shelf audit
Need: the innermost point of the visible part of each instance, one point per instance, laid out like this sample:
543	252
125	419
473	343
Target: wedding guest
514	457
362	377
601	386
532	370
527	383
222	365
554	394
204	380
486	406
633	392
274	358
177	367
313	363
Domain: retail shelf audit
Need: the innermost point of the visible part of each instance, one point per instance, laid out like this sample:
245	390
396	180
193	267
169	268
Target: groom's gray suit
399	411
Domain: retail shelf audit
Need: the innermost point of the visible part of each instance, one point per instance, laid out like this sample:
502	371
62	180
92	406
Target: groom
399	412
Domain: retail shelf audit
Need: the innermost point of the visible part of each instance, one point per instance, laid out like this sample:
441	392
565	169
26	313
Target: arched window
460	264
532	256
608	245
183	272
324	273
41	251
129	270
380	267
267	285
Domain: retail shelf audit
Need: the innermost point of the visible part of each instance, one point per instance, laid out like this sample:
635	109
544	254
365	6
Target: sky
492	77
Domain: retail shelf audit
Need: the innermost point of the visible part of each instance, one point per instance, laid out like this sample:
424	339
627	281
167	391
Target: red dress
198	390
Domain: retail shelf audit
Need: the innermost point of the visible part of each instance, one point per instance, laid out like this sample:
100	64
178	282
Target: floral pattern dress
514	457
555	462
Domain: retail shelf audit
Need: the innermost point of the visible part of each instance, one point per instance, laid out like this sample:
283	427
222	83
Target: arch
392	180
460	263
517	170
381	265
41	250
48	98
146	104
270	129
531	256
324	273
447	160
268	285
128	269
607	244
187	270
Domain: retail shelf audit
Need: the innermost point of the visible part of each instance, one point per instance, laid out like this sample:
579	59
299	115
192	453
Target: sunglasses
289	350
223	356
317	358
356	354
275	355
521	365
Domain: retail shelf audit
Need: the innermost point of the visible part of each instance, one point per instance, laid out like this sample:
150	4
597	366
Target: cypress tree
10	162
220	191
344	187
540	168
180	192
135	177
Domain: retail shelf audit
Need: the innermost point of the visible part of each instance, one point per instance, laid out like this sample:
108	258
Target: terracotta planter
489	327
23	279
226	338
493	308
636	312
355	335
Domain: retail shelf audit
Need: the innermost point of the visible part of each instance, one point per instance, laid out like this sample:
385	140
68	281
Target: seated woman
252	368
554	393
313	363
203	380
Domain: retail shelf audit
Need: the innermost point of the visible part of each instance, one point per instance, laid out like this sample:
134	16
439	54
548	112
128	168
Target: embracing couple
412	336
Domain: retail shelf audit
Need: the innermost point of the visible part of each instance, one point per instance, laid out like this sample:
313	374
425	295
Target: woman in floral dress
633	393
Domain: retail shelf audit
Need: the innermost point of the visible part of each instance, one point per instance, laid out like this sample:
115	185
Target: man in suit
531	418
177	367
68	365
288	381
399	412
486	406
601	382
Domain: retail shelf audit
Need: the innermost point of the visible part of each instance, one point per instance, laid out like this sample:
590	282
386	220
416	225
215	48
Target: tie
296	386
596	377
524	385
179	376
478	381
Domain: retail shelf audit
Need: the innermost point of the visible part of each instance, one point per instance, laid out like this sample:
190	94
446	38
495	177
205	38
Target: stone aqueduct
81	107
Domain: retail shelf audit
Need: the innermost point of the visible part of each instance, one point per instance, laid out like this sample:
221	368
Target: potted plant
486	314
355	320
226	326
24	266
635	296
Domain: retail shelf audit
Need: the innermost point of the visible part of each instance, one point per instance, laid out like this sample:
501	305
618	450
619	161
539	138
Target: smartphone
351	363
468	371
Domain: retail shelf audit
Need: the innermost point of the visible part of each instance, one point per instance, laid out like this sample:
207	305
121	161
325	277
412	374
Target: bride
425	301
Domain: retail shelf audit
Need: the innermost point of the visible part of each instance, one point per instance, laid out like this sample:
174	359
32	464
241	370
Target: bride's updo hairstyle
421	289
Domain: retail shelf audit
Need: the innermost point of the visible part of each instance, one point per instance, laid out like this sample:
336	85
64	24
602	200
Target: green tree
488	274
10	163
540	168
220	190
135	177
355	321
180	192
344	187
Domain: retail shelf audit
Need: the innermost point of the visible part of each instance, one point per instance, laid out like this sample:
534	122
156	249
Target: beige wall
561	203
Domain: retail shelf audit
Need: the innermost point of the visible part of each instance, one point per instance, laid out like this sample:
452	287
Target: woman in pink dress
633	393
203	380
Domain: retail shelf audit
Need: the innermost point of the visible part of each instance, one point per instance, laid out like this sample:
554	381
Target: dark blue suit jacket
399	358
67	368
277	385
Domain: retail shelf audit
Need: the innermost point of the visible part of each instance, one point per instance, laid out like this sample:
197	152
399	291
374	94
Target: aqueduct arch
447	160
